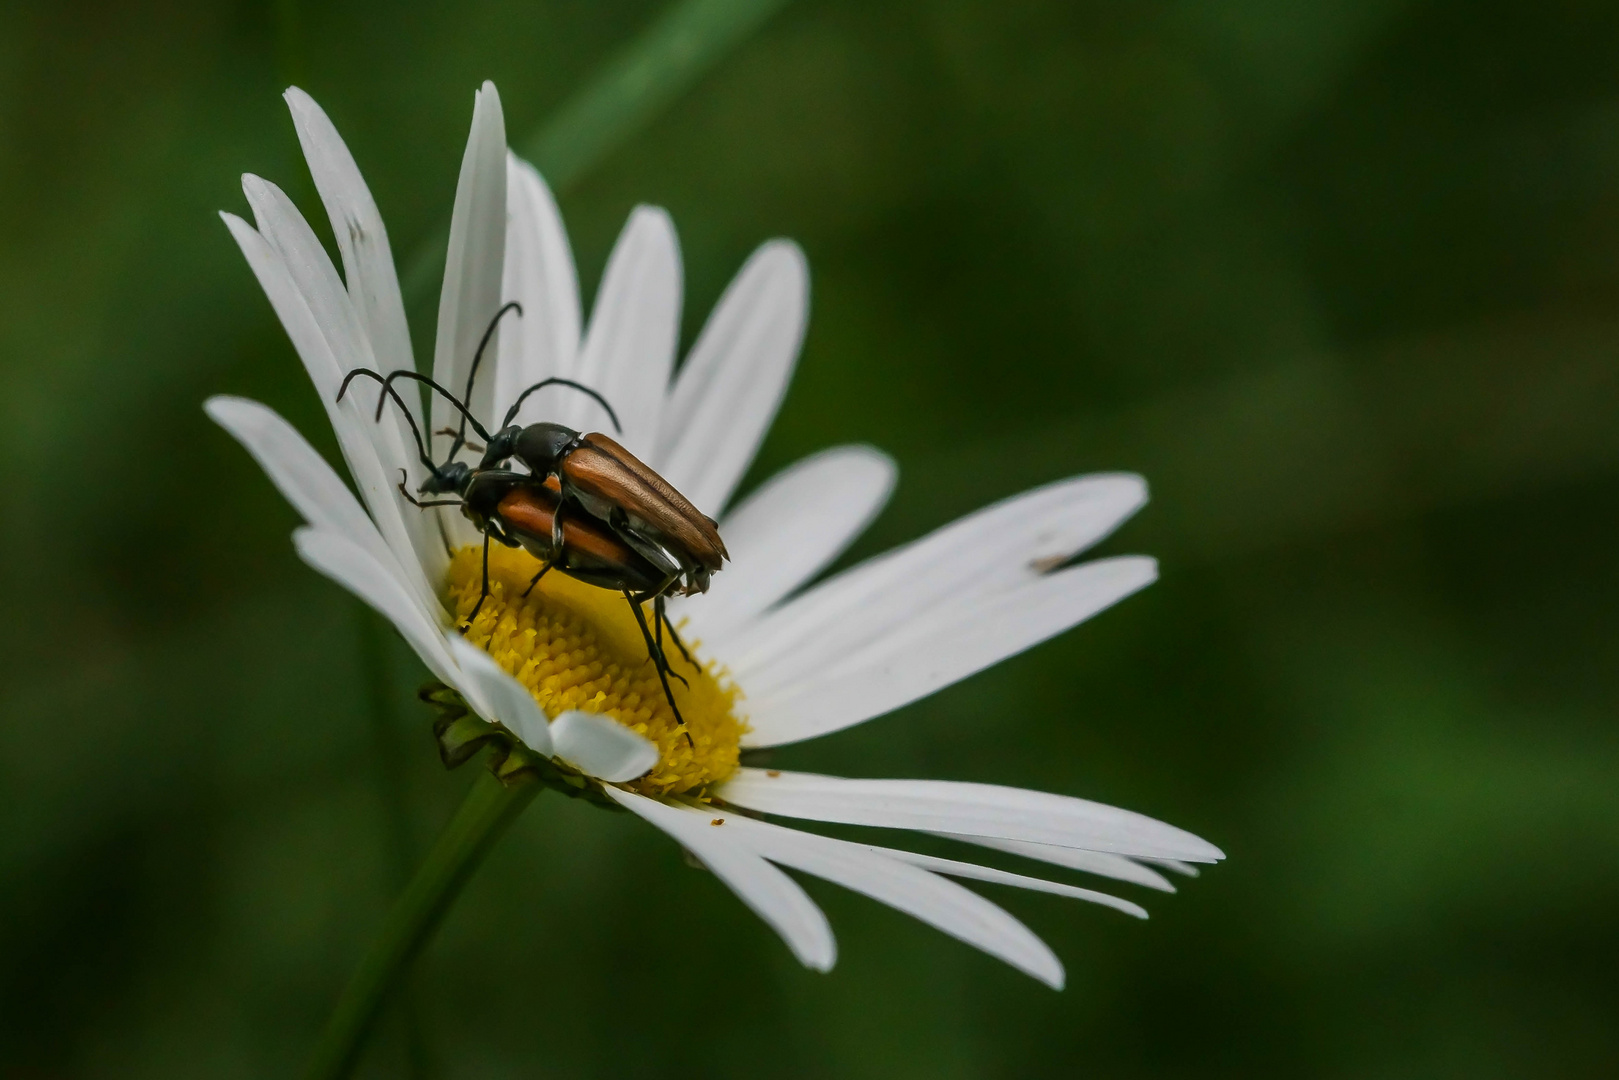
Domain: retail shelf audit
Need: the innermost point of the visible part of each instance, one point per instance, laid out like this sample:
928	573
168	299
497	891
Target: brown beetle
611	484
600	477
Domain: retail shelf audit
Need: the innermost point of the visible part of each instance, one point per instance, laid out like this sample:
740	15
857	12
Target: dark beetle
595	474
612	484
606	481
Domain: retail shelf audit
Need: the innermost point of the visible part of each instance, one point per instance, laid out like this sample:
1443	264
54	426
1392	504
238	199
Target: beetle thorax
542	446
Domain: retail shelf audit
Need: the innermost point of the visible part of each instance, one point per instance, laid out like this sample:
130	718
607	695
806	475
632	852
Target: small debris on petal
717	821
773	773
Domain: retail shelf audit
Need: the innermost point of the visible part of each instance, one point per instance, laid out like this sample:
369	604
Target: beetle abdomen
603	469
591	551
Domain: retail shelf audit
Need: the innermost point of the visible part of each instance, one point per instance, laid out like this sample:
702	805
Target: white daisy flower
565	670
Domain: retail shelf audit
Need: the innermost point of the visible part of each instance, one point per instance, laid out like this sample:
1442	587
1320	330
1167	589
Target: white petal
289	304
313	275
985	554
734	379
302	475
473	271
348	564
311	270
540	275
913	661
368	269
787	531
497	696
362	240
1175	865
942	904
771	894
1100	863
634	328
375	485
972	871
956	807
601	747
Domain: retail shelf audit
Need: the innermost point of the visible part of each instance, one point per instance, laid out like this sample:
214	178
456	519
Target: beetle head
542	446
451	478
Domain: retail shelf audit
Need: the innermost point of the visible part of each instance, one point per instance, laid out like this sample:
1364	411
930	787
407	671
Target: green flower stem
377	642
489	808
642	79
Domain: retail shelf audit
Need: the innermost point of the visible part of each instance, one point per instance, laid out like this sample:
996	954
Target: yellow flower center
575	646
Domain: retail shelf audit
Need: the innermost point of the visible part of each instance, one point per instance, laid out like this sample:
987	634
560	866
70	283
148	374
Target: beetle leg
663	613
657	634
654	648
658	621
536	579
658	663
485	594
468	443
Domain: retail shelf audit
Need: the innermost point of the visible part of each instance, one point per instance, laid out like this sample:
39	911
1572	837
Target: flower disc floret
575	646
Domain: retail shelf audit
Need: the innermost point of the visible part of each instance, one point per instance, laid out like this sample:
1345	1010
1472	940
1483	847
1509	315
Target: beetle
609	482
605	480
593	472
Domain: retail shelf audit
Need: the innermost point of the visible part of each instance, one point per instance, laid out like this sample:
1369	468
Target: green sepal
461	734
460	740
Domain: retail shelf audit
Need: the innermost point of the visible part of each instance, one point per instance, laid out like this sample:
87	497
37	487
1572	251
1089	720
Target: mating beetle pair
586	506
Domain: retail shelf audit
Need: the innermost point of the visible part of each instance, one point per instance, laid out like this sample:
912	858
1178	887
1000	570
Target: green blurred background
1340	278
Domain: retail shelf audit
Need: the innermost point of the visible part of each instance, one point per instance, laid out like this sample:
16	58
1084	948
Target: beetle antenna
389	392
477	358
511	413
405	373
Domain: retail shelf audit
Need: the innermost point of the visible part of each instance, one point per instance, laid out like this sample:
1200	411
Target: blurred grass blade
645	76
664	62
